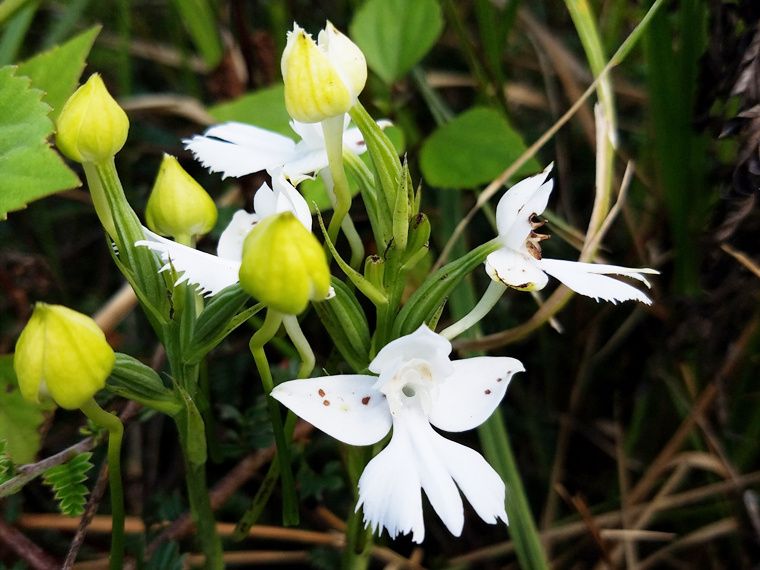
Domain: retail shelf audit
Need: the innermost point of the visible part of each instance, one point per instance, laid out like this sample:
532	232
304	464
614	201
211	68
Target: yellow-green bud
62	354
284	266
178	206
323	79
91	127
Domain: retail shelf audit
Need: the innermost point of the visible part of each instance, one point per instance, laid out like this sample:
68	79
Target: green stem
333	132
487	302
356	554
99	200
293	328
349	230
115	434
267	331
203	515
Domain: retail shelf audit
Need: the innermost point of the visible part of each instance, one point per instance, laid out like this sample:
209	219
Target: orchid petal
515	270
433	471
479	483
468	397
305	162
208	272
591	279
522	225
311	133
514	200
230	244
421	344
290	200
235	149
346	406
390	492
353	139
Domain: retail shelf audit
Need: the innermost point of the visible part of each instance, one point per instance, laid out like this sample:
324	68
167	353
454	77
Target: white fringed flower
520	265
417	387
236	149
212	273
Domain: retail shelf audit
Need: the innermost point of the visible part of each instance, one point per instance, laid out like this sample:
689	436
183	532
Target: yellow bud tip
283	265
323	79
92	127
178	206
62	354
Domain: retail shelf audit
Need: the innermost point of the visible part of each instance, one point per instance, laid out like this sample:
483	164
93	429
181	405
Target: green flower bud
284	266
374	269
178	206
323	78
419	233
62	354
91	127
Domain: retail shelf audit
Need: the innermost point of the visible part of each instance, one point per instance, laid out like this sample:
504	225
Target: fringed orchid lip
236	149
417	388
520	263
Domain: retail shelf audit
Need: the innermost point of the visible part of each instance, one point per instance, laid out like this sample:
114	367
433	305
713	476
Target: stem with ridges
115	434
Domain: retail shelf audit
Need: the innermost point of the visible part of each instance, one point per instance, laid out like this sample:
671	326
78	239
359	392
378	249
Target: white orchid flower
236	149
417	387
212	273
520	264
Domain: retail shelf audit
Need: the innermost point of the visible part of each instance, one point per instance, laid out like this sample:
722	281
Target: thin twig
28	551
577	528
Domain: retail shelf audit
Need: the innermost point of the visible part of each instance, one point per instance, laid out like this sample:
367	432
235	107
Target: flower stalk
268	329
333	132
115	429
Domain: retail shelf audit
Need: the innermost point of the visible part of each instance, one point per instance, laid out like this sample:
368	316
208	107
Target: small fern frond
67	481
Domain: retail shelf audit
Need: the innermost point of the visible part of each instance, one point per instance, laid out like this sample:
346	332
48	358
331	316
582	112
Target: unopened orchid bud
91	127
62	354
178	206
284	266
419	233
374	270
322	79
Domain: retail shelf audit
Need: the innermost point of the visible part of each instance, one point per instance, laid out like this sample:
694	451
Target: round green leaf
396	34
471	150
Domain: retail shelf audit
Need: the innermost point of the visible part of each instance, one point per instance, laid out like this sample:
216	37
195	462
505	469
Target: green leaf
67	481
29	168
264	108
57	71
471	150
200	20
20	420
396	34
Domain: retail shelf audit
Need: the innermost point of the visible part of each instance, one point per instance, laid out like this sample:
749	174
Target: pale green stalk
268	329
293	328
333	133
115	434
487	302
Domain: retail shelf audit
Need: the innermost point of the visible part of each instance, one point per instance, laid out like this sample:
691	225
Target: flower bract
416	387
520	264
